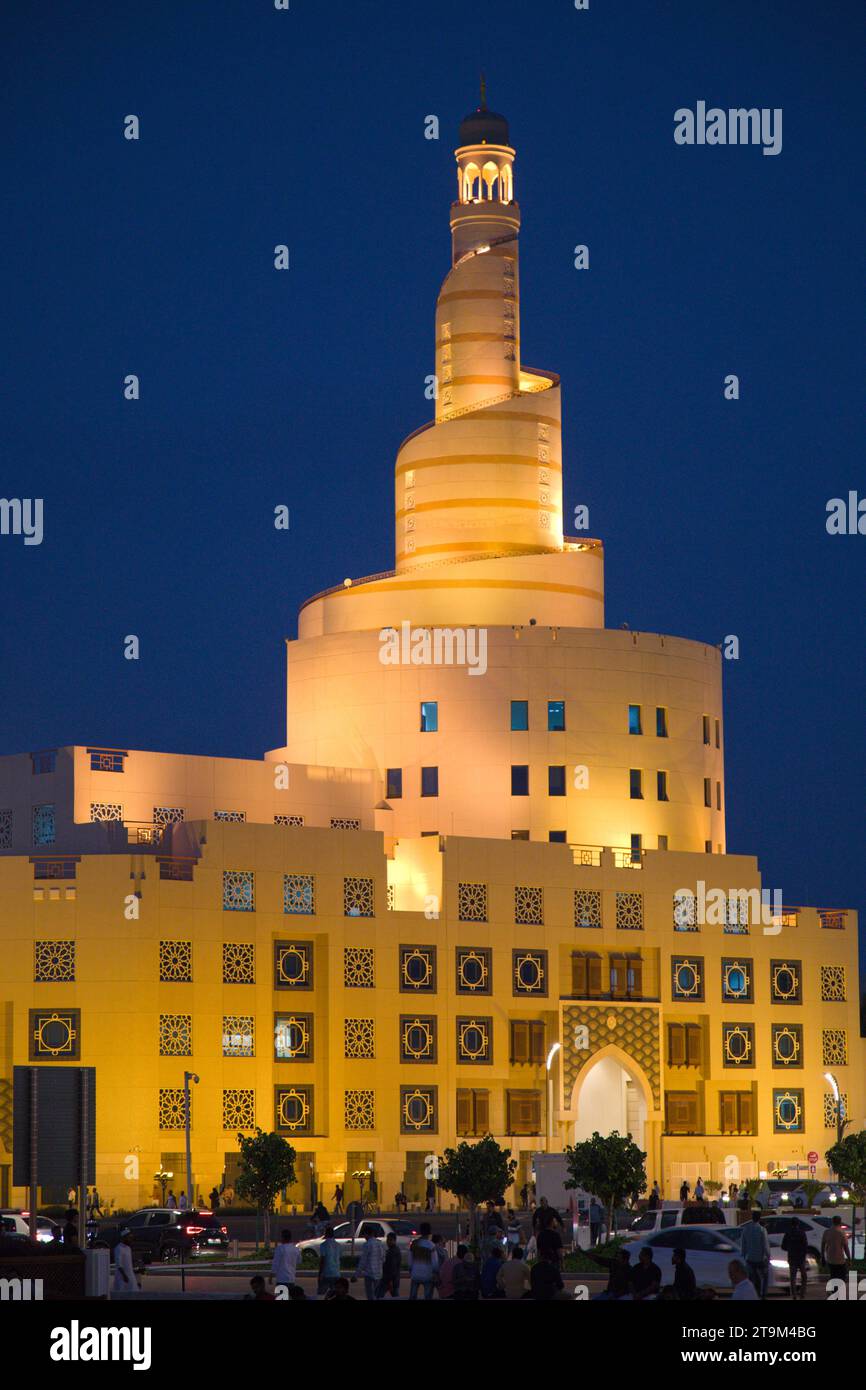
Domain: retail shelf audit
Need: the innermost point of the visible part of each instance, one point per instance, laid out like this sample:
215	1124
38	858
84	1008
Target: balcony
590	856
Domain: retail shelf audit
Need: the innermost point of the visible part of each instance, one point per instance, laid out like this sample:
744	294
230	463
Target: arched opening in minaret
490	174
611	1095
471	175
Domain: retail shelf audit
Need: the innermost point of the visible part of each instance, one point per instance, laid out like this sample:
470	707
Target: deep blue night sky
258	387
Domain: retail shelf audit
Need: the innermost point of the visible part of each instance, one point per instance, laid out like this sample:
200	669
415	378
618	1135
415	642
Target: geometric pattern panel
418	1110
685	912
834	1047
737	915
528	906
293	965
175	1035
55	1034
239	1036
474	970
831	1110
167	815
54	960
172	1111
5	829
293	1037
345	823
288	820
235	817
629	911
359	1037
358	967
359	1109
588	1028
358	897
239	963
239	890
105	811
299	894
293	1109
833	984
239	1109
472	902
587	907
529	970
43	825
175	961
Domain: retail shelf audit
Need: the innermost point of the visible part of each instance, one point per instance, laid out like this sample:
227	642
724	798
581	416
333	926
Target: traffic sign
812	1156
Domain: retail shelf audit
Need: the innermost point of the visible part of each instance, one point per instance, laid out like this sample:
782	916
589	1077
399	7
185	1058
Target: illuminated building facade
495	825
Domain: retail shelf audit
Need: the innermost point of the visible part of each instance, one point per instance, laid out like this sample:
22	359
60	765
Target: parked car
18	1223
405	1231
665	1218
162	1233
709	1251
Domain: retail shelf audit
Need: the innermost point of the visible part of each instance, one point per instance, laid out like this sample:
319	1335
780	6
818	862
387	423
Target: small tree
811	1188
847	1158
477	1173
267	1166
607	1166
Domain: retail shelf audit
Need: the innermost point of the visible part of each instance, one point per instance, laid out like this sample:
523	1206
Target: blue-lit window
429	716
520	779
519	715
555	715
557	837
634	724
43	825
556	781
43	762
636	848
661	722
708	791
635	784
662	786
394	783
429	781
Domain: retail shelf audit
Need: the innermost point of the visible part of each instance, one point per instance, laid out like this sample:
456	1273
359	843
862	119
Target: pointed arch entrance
611	1092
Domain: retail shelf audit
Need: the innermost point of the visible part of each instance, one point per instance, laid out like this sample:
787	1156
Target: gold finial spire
483	93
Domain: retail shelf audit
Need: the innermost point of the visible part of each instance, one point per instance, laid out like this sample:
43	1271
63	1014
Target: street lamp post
188	1076
550	1056
841	1119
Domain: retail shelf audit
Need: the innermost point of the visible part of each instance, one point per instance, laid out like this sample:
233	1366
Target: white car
405	1231
709	1251
663	1218
18	1223
777	1225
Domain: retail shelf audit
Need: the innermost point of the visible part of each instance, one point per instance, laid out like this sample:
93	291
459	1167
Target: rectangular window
663	841
429	716
708	846
662	786
105	760
684	1045
180	870
43	825
54	868
556	781
519	715
681	1112
520	834
555	715
43	762
636	848
557	837
735	1112
527	1042
718	733
473	1112
635	784
634	725
718	796
523	1112
707	730
394	784
429	781
708	791
661	722
520	779
586	979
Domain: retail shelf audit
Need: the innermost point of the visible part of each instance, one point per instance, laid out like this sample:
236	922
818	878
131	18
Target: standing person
795	1243
95	1204
171	1201
596	1216
183	1202
422	1257
685	1283
655	1200
329	1262
465	1276
124	1270
513	1275
699	1189
391	1268
214	1199
733	1191
549	1244
756	1252
741	1285
685	1189
524	1196
446	1268
338	1199
287	1257
371	1263
493	1228
430	1195
834	1249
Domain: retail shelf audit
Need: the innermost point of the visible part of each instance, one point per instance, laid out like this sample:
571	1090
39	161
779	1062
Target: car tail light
194	1230
225	1230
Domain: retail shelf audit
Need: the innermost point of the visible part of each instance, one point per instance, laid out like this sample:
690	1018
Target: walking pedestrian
287	1257
422	1263
171	1201
699	1189
391	1268
214	1199
685	1189
795	1243
329	1262
183	1202
338	1199
755	1246
371	1263
834	1249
